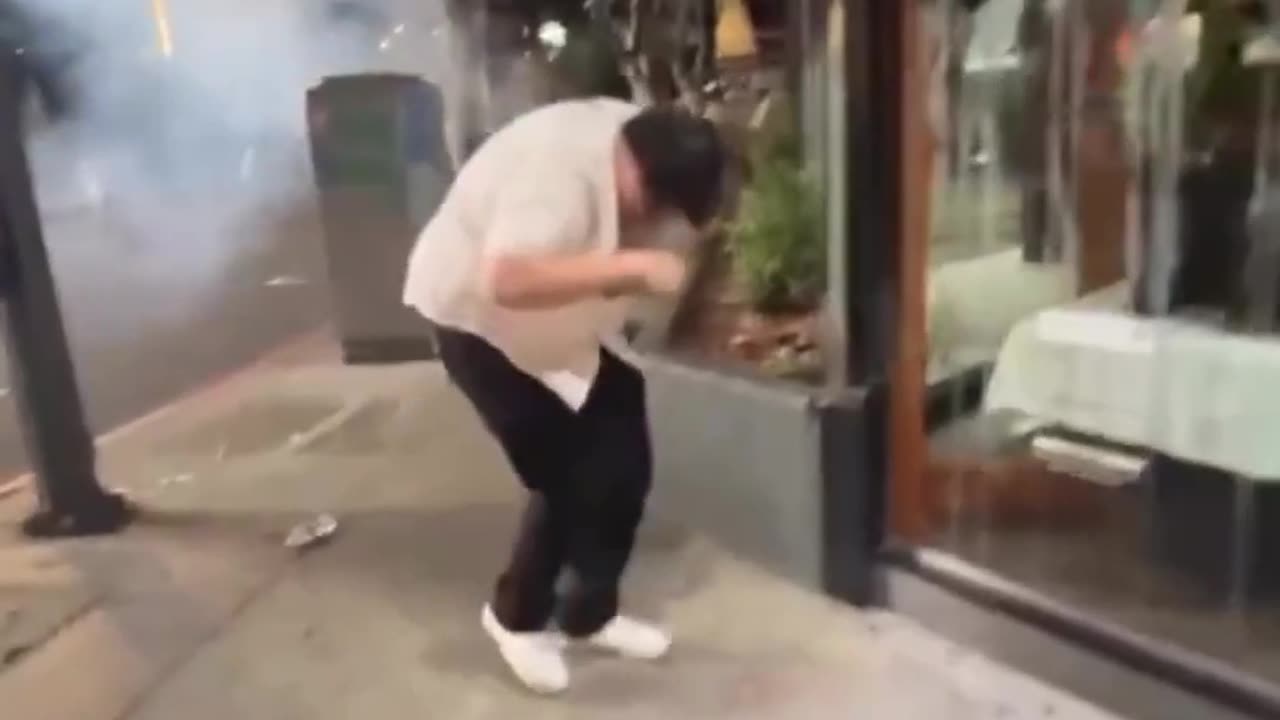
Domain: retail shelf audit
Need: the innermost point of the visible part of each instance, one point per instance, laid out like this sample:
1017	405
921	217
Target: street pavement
200	612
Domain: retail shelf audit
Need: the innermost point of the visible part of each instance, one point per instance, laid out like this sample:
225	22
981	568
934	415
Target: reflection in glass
1104	365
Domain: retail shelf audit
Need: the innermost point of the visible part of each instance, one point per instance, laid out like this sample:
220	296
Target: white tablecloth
974	303
1176	386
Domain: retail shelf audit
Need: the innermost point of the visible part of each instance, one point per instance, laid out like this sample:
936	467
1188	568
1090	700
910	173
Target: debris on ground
285	281
312	533
13	487
12	655
179	479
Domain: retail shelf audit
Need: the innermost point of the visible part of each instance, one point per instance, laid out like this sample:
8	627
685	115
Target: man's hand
659	272
531	283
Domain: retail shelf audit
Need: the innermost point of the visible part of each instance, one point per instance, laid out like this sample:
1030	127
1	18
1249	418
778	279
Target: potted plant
778	259
777	241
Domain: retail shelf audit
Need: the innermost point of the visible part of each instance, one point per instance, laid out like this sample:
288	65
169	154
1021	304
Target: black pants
588	473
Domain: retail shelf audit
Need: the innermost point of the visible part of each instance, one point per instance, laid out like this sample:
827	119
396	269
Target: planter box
779	473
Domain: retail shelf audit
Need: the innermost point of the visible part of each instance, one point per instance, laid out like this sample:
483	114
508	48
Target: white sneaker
632	639
536	658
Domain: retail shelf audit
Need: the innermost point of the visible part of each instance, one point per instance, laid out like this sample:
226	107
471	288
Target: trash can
382	169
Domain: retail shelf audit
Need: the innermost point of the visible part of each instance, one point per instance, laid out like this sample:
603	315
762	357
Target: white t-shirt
543	185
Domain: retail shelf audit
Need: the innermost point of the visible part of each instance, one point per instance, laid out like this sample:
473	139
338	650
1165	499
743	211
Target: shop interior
1103	302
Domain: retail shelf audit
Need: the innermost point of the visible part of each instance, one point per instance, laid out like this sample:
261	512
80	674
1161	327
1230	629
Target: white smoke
187	145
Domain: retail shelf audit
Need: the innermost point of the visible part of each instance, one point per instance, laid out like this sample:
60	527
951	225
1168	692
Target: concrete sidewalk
199	612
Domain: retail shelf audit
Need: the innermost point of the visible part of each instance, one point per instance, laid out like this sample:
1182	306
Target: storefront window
1103	357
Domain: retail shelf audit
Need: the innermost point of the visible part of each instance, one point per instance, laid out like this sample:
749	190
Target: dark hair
682	160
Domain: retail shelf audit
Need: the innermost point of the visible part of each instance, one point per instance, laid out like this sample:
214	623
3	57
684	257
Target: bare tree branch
686	86
663	47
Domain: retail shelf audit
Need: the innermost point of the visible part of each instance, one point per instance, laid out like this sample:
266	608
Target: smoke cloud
184	155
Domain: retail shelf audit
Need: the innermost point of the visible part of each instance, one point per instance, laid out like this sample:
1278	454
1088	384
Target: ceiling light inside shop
164	32
735	33
553	34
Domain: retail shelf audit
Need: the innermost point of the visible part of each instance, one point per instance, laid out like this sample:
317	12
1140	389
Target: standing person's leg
536	431
604	504
524	596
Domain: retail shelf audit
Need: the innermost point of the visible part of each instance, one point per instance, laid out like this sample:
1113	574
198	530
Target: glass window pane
1102	310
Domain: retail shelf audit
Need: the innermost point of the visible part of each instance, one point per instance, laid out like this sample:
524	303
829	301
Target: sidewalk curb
17	484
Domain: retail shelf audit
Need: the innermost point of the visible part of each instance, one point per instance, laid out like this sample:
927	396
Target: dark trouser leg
536	431
524	598
589	474
604	502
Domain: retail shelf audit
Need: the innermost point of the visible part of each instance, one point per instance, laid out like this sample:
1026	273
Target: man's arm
532	283
540	254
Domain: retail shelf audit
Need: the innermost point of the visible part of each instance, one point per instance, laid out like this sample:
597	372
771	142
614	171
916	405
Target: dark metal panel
851	502
873	68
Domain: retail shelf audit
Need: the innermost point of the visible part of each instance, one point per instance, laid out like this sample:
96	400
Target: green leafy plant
777	242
